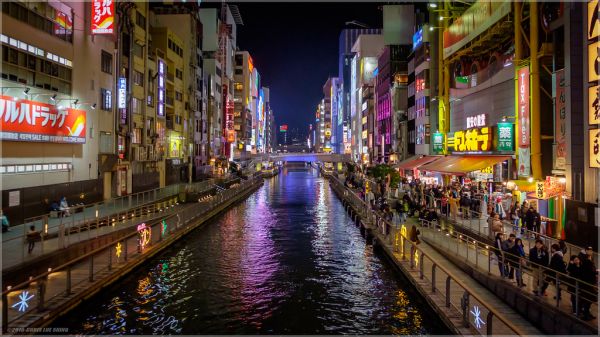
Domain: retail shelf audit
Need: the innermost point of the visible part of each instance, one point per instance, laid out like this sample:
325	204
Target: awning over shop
416	162
461	165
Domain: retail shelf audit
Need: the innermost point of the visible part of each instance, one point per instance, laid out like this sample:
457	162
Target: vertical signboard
505	137
560	126
160	105
103	17
122	99
594	137
438	142
524	169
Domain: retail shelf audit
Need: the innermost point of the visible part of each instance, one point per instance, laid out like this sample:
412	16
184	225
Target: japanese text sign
560	121
539	189
438	142
30	121
594	105
594	140
473	140
103	16
505	137
523	106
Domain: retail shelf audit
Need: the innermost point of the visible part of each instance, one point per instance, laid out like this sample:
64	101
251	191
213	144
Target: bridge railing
477	314
36	295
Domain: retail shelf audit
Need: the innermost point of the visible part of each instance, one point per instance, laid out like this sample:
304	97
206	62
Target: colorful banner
103	17
560	127
475	20
30	121
524	169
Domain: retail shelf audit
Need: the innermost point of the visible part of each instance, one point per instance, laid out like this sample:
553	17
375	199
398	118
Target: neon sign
473	140
145	233
160	111
103	16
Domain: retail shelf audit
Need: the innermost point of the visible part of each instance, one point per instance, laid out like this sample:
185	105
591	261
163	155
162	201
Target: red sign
284	127
30	121
523	106
103	16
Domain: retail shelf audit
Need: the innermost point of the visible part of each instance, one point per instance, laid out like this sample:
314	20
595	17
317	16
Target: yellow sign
488	170
594	105
593	20
539	189
594	139
473	140
593	62
367	187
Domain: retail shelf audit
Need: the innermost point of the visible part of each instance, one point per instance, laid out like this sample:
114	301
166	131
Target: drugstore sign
103	17
31	121
473	140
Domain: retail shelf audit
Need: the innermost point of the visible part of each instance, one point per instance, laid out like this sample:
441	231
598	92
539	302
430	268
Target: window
239	71
106	63
106	142
150	100
137	136
105	99
138	78
140	20
138	50
178	96
179	74
136	105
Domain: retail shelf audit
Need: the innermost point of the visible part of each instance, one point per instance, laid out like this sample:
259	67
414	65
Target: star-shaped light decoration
477	317
118	249
22	305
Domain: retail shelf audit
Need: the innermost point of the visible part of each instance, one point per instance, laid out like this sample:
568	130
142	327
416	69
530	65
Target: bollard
464	304
41	294
68	290
448	279
433	278
489	323
91	276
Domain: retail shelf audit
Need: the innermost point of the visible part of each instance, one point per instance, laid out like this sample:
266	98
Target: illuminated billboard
160	107
283	128
31	121
103	17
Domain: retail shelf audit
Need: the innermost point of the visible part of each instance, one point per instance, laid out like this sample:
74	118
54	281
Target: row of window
175	47
36	71
43	17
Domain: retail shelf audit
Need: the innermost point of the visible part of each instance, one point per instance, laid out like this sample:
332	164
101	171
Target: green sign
506	137
438	142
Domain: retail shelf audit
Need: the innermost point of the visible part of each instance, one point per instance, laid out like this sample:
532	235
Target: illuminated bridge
307	157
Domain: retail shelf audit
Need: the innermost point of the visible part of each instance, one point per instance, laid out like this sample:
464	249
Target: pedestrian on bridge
32	237
498	242
516	256
539	256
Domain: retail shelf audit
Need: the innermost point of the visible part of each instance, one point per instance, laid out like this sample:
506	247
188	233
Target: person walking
588	292
574	270
490	221
498	242
32	237
517	260
557	267
514	216
507	246
530	219
538	255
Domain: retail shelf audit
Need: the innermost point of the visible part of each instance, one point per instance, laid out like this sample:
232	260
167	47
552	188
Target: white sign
476	121
14	198
122	93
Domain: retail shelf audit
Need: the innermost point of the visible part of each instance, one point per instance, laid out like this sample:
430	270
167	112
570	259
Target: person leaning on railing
539	256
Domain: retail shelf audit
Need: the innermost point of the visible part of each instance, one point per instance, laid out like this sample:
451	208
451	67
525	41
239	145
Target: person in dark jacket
506	247
530	219
539	256
574	270
516	256
557	268
498	242
588	291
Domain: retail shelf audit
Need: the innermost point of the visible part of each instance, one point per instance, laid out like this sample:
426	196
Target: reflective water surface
288	260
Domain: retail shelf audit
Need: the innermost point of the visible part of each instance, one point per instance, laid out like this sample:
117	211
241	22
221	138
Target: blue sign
417	38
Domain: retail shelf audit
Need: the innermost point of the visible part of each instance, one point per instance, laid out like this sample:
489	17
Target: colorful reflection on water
288	260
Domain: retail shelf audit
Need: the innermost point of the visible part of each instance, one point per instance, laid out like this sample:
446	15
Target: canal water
288	260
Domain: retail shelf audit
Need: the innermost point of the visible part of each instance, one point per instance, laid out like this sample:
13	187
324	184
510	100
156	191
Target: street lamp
432	5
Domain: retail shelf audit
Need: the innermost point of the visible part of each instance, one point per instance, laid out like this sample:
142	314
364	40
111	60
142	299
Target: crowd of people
417	199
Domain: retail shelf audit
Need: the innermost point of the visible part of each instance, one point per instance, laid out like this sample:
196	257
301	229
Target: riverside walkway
91	221
463	303
33	304
476	266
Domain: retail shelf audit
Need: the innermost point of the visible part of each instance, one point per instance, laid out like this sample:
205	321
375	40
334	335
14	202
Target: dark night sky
295	48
